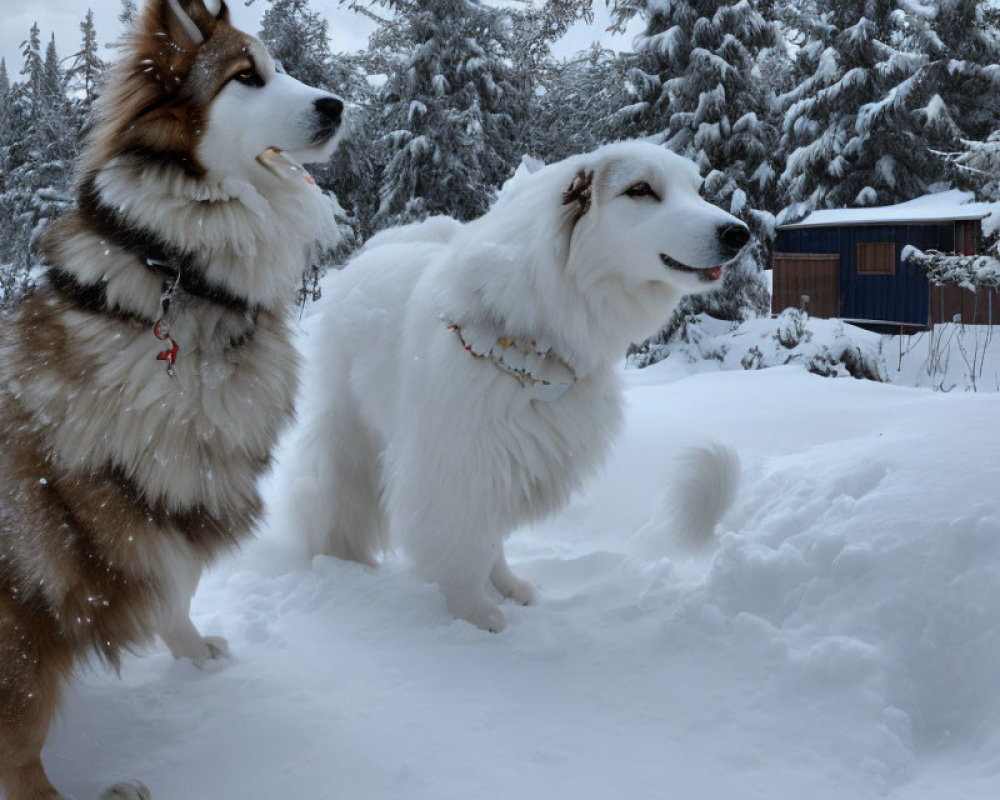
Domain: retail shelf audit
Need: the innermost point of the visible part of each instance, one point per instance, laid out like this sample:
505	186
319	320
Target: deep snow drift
839	641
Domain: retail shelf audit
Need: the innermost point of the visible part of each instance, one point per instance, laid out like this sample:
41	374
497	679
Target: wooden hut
846	263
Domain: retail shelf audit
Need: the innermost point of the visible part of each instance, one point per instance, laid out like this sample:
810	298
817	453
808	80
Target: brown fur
85	579
579	192
158	104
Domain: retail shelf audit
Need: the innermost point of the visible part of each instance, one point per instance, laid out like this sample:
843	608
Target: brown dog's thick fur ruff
119	482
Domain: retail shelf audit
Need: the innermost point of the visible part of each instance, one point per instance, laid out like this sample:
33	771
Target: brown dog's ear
579	192
191	22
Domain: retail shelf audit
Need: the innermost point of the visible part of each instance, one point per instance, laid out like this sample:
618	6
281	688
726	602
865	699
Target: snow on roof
940	207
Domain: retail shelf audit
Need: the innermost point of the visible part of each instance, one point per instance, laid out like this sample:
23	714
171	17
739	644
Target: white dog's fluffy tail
702	491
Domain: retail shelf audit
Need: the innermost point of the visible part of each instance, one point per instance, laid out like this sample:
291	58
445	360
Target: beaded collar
537	369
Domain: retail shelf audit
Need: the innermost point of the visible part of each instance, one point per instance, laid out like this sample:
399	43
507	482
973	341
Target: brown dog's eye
248	77
642	189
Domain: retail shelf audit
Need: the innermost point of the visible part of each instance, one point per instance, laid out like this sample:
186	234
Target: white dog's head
636	217
605	246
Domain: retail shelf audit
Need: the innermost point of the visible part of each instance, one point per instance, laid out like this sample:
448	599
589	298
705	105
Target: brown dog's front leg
31	675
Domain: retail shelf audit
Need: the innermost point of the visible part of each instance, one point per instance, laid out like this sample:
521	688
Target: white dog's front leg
459	562
471	604
441	502
508	584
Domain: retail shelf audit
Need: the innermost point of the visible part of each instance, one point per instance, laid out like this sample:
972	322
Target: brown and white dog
144	383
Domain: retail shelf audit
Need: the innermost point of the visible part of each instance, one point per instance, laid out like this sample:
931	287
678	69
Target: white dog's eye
641	189
248	77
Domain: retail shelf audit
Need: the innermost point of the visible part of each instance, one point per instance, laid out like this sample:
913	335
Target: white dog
467	374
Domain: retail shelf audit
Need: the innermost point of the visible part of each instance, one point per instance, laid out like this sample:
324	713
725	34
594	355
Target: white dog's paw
509	585
481	613
130	790
517	589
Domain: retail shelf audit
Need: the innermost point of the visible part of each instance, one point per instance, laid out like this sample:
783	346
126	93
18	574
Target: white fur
245	120
406	433
702	490
255	236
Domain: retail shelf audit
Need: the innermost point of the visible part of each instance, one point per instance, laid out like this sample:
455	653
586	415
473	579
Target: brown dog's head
196	91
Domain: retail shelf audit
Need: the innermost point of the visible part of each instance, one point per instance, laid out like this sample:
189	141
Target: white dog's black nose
733	237
330	108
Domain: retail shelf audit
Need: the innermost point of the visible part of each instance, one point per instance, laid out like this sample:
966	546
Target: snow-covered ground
951	357
840	641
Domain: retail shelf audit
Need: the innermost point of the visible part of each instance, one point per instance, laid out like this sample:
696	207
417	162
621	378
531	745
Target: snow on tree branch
968	272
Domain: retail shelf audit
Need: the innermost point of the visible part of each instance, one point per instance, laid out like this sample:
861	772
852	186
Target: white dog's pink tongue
714	273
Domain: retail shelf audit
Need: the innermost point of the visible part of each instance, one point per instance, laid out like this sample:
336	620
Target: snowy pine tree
979	164
87	68
8	274
20	150
127	15
56	139
859	127
533	28
33	69
5	111
38	150
695	84
451	108
53	79
574	102
353	168
965	67
297	38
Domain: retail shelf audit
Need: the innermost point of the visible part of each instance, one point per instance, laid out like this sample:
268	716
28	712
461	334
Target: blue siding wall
902	297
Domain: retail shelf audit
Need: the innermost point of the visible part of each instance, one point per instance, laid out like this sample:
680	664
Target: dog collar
539	370
179	268
180	271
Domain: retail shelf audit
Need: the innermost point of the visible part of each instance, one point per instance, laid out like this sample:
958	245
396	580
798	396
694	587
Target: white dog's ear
579	192
191	22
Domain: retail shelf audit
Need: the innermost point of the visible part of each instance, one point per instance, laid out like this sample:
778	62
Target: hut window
875	258
965	237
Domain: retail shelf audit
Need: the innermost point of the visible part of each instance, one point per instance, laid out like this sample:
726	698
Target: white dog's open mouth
282	165
705	273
